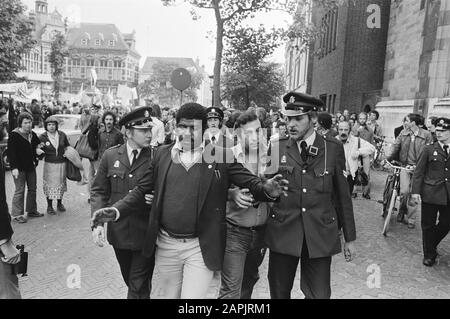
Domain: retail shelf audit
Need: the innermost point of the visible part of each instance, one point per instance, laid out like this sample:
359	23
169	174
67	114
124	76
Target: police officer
305	226
431	185
215	132
120	169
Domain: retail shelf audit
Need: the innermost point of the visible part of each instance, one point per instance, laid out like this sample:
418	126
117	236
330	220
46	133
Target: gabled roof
96	31
185	63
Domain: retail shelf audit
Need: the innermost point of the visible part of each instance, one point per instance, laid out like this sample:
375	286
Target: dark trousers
314	275
137	272
244	253
351	183
28	179
433	234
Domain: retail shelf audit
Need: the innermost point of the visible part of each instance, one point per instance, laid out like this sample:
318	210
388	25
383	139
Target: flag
94	76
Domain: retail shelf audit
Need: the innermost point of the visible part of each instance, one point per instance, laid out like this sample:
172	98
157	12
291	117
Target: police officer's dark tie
446	149
213	140
135	153
304	151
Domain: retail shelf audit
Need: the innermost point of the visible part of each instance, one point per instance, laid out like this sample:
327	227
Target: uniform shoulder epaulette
332	140
113	147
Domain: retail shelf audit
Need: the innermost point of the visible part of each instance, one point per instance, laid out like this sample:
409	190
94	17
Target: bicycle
379	157
391	194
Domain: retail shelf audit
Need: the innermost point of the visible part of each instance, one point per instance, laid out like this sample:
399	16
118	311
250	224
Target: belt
180	236
253	228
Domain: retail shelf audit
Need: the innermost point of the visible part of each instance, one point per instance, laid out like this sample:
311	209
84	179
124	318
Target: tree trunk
219	52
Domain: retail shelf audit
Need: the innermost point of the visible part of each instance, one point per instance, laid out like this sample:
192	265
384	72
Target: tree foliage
58	54
15	37
229	15
159	88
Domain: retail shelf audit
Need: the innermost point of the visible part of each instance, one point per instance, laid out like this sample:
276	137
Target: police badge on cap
298	104
140	118
443	124
214	112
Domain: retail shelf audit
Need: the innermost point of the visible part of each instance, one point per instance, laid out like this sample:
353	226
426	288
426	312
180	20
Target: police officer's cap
298	104
96	106
214	112
442	124
139	118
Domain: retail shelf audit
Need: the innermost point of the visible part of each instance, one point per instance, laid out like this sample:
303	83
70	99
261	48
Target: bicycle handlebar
400	167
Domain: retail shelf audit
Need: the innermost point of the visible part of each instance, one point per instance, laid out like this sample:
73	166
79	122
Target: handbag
72	172
84	149
361	178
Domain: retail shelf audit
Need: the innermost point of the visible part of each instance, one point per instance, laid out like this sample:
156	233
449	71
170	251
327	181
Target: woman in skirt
54	144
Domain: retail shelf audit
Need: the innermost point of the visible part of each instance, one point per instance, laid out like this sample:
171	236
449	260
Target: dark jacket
431	177
22	153
108	140
6	230
115	178
215	180
50	152
318	204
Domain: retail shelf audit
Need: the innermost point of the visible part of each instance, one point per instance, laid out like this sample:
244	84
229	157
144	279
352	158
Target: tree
57	58
262	84
15	38
248	76
229	14
159	85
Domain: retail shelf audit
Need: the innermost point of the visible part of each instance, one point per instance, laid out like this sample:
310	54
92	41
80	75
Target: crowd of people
194	191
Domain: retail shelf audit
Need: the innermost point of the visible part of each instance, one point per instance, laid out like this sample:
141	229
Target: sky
160	31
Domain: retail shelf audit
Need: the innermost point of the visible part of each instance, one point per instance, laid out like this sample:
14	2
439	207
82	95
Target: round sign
180	79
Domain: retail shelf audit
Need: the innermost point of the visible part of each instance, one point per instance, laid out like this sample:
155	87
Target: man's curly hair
192	111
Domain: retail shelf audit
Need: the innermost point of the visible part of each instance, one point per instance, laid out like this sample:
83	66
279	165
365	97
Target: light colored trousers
183	272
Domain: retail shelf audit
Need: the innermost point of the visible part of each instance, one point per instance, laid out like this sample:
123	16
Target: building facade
417	77
103	48
348	58
36	66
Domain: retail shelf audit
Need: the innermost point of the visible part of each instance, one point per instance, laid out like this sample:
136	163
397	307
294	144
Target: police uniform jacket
318	204
215	180
115	178
431	177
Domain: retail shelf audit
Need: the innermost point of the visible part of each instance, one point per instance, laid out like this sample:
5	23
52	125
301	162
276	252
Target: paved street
61	245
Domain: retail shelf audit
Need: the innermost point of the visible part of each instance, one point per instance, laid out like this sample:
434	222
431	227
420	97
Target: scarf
54	139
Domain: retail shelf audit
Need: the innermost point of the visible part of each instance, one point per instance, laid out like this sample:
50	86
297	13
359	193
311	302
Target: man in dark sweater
23	149
9	284
187	227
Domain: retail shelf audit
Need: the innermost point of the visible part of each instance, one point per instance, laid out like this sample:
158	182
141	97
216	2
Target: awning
36	77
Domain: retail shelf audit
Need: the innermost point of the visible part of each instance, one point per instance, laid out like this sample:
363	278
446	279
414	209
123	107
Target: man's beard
343	137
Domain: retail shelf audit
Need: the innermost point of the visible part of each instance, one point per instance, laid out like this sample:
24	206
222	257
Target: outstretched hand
276	186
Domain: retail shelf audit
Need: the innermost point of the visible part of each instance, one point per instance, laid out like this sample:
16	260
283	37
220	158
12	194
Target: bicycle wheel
387	220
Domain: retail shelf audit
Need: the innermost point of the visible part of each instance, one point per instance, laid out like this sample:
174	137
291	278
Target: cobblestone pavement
61	245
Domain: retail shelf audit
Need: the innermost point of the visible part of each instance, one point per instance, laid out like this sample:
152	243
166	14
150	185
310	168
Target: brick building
417	77
348	66
36	66
100	46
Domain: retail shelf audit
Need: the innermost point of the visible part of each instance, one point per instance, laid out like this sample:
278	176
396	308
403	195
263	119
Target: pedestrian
186	230
375	126
54	179
246	218
324	125
93	141
23	151
305	226
35	109
407	148
109	136
158	132
431	187
362	130
354	149
9	283
120	169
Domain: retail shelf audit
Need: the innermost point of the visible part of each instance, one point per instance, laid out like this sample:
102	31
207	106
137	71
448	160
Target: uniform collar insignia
313	151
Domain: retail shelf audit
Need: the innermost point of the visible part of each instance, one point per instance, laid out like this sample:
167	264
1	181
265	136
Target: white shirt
216	136
130	153
309	141
187	159
352	152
